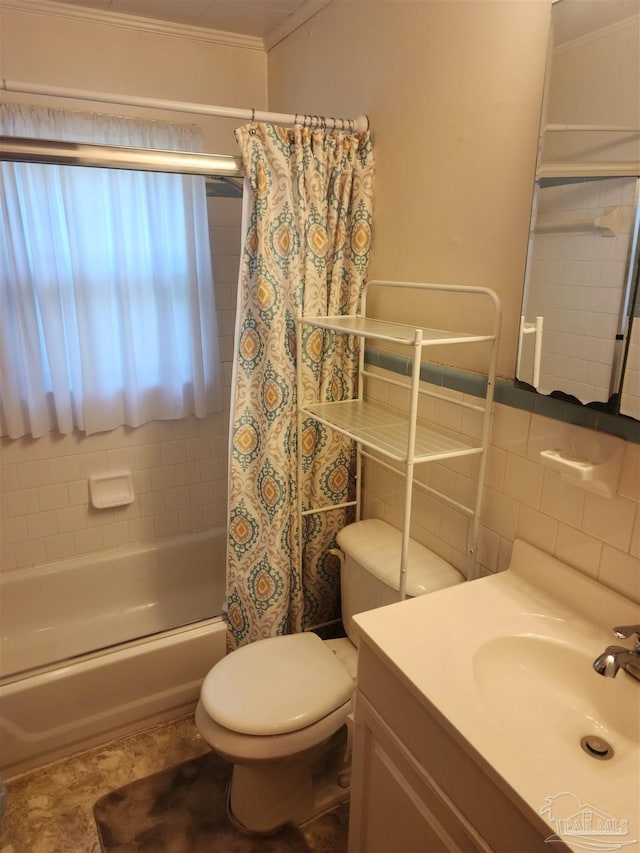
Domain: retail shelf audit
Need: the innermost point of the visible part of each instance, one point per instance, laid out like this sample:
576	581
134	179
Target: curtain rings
315	122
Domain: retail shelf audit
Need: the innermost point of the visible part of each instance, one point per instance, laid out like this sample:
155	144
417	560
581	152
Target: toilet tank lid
376	546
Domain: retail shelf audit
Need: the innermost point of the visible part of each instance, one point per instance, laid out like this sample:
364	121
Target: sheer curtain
107	311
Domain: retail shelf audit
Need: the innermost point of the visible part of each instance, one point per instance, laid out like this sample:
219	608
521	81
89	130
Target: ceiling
271	20
576	18
262	19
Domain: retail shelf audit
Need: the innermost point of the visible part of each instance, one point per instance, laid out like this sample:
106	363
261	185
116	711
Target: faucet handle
623	632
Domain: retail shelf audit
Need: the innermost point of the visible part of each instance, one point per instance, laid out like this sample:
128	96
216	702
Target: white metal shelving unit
396	436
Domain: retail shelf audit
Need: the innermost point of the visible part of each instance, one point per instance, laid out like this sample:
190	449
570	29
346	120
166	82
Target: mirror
580	292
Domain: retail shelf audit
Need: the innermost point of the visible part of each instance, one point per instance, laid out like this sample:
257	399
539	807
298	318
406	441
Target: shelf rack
399	437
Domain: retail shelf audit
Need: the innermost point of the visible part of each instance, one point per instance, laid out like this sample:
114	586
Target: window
107	311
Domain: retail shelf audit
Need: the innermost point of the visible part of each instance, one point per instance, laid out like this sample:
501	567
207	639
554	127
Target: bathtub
96	647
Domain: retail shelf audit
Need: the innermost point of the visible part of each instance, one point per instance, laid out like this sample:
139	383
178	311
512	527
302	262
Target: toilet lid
276	686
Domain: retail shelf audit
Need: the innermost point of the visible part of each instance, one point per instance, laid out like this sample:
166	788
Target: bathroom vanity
416	787
470	708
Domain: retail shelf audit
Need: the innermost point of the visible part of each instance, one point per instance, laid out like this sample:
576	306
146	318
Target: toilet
277	709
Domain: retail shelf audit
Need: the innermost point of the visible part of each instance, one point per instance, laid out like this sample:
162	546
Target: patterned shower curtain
305	254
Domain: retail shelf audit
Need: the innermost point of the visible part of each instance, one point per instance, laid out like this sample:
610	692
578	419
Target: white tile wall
179	467
523	499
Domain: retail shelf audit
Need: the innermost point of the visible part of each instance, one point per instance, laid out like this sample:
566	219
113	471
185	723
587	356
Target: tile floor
50	809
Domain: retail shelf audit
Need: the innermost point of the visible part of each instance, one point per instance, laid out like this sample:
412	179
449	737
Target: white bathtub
96	647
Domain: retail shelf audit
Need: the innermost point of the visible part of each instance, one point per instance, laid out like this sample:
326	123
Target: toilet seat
276	686
249	749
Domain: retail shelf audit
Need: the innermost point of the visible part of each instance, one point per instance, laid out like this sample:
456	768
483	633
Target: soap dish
112	489
569	464
598	475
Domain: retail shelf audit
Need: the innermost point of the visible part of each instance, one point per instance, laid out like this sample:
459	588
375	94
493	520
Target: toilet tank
370	569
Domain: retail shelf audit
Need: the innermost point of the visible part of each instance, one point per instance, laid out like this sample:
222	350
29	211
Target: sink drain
596	747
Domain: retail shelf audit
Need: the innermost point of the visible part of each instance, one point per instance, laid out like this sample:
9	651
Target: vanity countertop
506	661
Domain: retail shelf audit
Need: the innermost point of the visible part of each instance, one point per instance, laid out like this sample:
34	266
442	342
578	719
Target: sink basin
559	694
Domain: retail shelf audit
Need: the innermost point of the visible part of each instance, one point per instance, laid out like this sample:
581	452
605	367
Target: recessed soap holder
595	472
566	463
112	489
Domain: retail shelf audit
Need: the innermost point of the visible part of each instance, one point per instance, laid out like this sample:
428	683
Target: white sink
507	664
559	694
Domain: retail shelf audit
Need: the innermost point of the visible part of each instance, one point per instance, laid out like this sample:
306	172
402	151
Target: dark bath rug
182	810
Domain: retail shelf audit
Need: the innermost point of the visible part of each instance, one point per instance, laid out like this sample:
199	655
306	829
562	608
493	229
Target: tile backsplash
596	534
524	499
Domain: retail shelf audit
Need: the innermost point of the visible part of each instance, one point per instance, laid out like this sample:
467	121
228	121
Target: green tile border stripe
507	394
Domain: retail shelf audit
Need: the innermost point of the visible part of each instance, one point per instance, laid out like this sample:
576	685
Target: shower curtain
306	250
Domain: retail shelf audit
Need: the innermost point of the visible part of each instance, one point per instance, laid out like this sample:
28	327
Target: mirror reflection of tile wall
630	398
576	281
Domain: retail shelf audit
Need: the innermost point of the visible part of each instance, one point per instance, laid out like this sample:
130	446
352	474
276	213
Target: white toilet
277	709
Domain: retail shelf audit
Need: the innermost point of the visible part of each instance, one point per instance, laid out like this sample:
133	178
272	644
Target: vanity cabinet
395	802
396	440
416	787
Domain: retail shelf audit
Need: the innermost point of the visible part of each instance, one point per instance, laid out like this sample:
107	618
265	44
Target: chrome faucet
614	657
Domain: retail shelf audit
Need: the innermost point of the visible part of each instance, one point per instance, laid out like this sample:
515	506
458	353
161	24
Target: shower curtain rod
593	127
359	124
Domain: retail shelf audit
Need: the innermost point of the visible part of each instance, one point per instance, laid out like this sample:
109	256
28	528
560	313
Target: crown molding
116	19
295	20
633	21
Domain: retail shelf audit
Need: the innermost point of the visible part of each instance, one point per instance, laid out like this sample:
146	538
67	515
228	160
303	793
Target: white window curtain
107	311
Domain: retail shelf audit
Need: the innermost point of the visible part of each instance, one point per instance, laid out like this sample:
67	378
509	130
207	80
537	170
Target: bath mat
182	810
